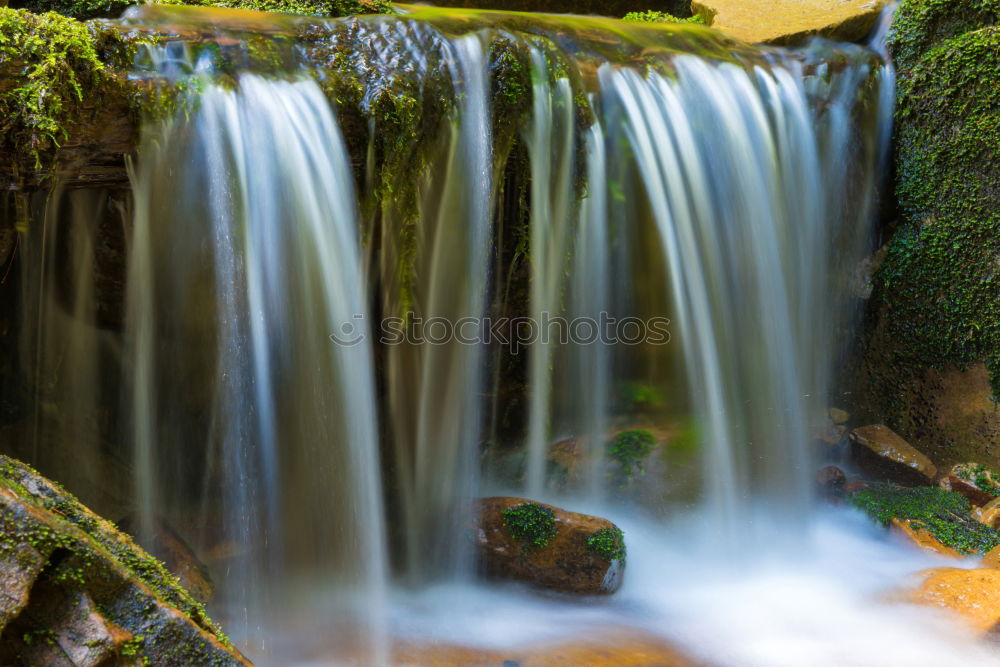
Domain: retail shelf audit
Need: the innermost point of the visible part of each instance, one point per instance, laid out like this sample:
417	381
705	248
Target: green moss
89	9
608	543
945	514
918	25
630	449
983	479
652	16
531	524
17	477
939	288
47	62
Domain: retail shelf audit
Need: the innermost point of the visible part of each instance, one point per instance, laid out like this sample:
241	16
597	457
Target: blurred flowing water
446	166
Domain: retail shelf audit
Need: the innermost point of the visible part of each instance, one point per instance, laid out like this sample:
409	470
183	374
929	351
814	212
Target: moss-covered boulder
74	590
933	361
549	547
942	514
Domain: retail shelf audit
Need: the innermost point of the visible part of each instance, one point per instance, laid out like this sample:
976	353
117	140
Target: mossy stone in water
943	513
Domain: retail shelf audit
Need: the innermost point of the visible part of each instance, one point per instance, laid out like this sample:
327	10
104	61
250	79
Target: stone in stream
973	595
831	480
882	454
549	547
76	591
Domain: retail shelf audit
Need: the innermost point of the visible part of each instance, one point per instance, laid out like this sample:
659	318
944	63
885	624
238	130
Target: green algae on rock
61	561
943	513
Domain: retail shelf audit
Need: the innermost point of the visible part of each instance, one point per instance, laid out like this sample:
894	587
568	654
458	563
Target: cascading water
434	168
245	262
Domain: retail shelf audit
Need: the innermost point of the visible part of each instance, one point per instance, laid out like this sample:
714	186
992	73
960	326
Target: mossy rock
944	514
91	9
549	547
71	576
920	25
935	327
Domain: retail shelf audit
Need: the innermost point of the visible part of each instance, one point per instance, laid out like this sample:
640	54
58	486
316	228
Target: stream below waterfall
314	194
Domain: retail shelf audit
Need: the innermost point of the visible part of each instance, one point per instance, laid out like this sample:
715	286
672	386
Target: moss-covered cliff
937	298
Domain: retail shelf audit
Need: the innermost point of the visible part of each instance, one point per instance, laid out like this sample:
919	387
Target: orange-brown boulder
974	595
549	547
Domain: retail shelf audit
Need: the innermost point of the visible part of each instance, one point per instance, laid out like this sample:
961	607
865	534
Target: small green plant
531	524
637	396
630	449
608	543
943	513
652	16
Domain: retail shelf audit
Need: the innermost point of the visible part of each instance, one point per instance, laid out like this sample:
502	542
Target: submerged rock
611	647
77	591
790	21
974	595
882	454
549	547
831	480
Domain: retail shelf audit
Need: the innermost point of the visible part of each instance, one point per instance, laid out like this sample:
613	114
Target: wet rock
608	648
838	416
549	547
974	595
831	480
174	552
790	21
989	514
882	454
992	559
921	538
77	591
974	482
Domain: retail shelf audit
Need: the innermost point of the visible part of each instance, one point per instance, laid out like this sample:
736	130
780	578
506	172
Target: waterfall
317	241
245	269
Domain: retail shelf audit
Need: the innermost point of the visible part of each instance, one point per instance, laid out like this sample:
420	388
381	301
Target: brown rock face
76	591
882	454
972	594
790	21
949	414
567	562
